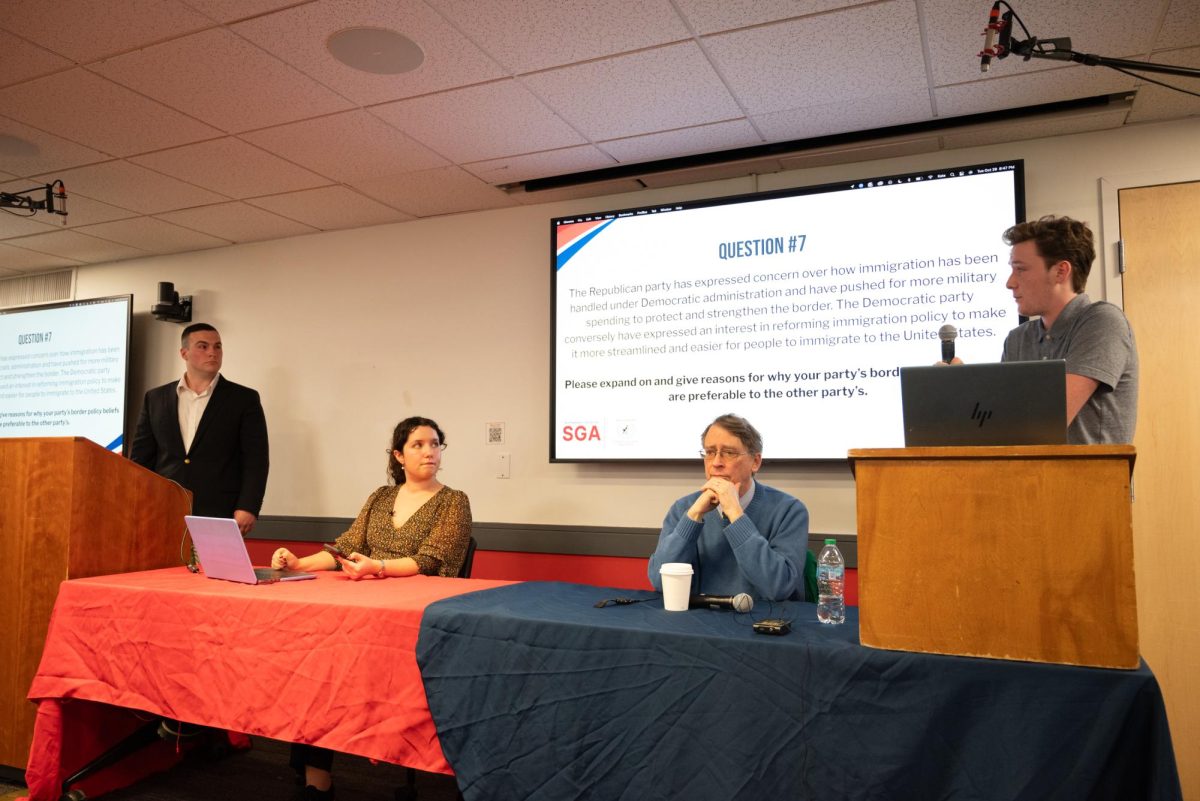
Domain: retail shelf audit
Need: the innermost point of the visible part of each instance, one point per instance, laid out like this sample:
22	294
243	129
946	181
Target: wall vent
33	290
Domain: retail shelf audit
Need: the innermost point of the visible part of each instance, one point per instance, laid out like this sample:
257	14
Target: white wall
344	333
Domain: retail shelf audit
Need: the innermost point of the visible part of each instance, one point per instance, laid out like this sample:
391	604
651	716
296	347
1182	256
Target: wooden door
1160	226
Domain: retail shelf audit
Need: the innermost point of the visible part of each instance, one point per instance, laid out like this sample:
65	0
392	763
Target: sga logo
581	432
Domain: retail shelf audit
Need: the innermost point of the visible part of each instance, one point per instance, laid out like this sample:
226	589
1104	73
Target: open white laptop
997	403
223	553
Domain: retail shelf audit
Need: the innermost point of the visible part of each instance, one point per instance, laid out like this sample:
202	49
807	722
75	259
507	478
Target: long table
530	691
537	694
329	662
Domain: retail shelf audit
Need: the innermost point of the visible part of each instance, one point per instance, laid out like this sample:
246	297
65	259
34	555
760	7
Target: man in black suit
207	433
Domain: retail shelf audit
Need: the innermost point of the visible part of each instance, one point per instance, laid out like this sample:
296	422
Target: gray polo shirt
1097	342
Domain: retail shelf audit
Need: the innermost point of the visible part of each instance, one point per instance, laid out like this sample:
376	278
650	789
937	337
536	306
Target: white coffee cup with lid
676	585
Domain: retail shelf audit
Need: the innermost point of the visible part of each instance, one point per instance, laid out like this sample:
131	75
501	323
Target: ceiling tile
1034	129
821	59
528	35
224	80
331	208
709	16
725	135
237	222
77	246
347	147
1028	89
480	122
613	98
512	169
20	60
231	167
28	151
97	113
1181	27
846	115
129	186
431	192
84	30
232	10
298	36
15	261
155	236
1159	103
954	30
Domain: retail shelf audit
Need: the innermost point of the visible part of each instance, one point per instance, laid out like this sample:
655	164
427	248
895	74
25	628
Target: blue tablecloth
537	694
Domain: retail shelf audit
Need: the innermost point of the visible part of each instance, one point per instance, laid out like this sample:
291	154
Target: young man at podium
1050	260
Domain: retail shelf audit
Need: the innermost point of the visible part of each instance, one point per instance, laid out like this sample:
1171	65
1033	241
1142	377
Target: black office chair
468	560
409	791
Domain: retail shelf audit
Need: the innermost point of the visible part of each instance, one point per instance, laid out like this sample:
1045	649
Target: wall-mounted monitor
64	370
795	309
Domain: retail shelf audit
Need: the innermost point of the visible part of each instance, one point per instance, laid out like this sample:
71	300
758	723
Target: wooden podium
1022	552
69	509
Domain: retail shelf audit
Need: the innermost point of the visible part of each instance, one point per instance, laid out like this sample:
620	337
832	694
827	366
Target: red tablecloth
329	662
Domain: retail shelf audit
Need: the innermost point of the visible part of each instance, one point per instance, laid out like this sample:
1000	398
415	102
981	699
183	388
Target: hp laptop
223	553
998	403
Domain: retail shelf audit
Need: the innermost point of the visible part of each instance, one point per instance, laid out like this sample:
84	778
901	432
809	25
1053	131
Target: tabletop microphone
738	603
985	55
947	333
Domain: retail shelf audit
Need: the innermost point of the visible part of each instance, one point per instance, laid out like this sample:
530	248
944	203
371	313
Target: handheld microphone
947	333
985	55
738	603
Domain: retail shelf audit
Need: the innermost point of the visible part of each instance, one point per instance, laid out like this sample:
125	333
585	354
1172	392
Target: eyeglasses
728	454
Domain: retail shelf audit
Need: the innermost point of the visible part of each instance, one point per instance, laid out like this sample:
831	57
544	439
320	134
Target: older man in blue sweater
738	535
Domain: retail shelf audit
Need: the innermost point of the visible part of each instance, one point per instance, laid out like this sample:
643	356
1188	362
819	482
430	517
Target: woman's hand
283	559
359	566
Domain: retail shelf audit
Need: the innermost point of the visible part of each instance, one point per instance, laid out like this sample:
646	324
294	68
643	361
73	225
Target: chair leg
409	791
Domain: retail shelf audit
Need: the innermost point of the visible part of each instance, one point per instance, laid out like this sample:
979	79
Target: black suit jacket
226	467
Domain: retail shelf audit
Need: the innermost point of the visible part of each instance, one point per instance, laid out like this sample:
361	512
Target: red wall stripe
601	571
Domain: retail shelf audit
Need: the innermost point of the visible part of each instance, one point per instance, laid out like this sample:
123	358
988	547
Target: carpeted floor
263	774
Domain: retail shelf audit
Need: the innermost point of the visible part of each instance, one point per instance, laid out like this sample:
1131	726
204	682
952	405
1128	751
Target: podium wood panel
1006	552
68	509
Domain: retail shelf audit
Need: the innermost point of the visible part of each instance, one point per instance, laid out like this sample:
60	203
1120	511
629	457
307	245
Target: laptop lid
997	403
223	553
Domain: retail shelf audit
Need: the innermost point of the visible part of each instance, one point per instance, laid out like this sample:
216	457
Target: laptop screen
996	403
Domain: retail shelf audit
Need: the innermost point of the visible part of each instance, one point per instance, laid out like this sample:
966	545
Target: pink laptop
223	553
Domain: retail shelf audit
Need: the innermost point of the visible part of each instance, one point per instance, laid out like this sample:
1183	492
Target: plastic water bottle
831	582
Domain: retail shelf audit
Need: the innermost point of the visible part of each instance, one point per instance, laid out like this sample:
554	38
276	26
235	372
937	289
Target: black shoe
310	793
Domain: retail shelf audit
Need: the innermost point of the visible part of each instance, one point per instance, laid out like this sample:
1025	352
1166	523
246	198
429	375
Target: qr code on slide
495	433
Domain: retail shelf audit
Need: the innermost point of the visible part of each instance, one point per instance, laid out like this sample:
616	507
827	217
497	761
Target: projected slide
63	370
794	310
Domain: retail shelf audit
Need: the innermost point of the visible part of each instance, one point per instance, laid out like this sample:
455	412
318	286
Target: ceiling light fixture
377	50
